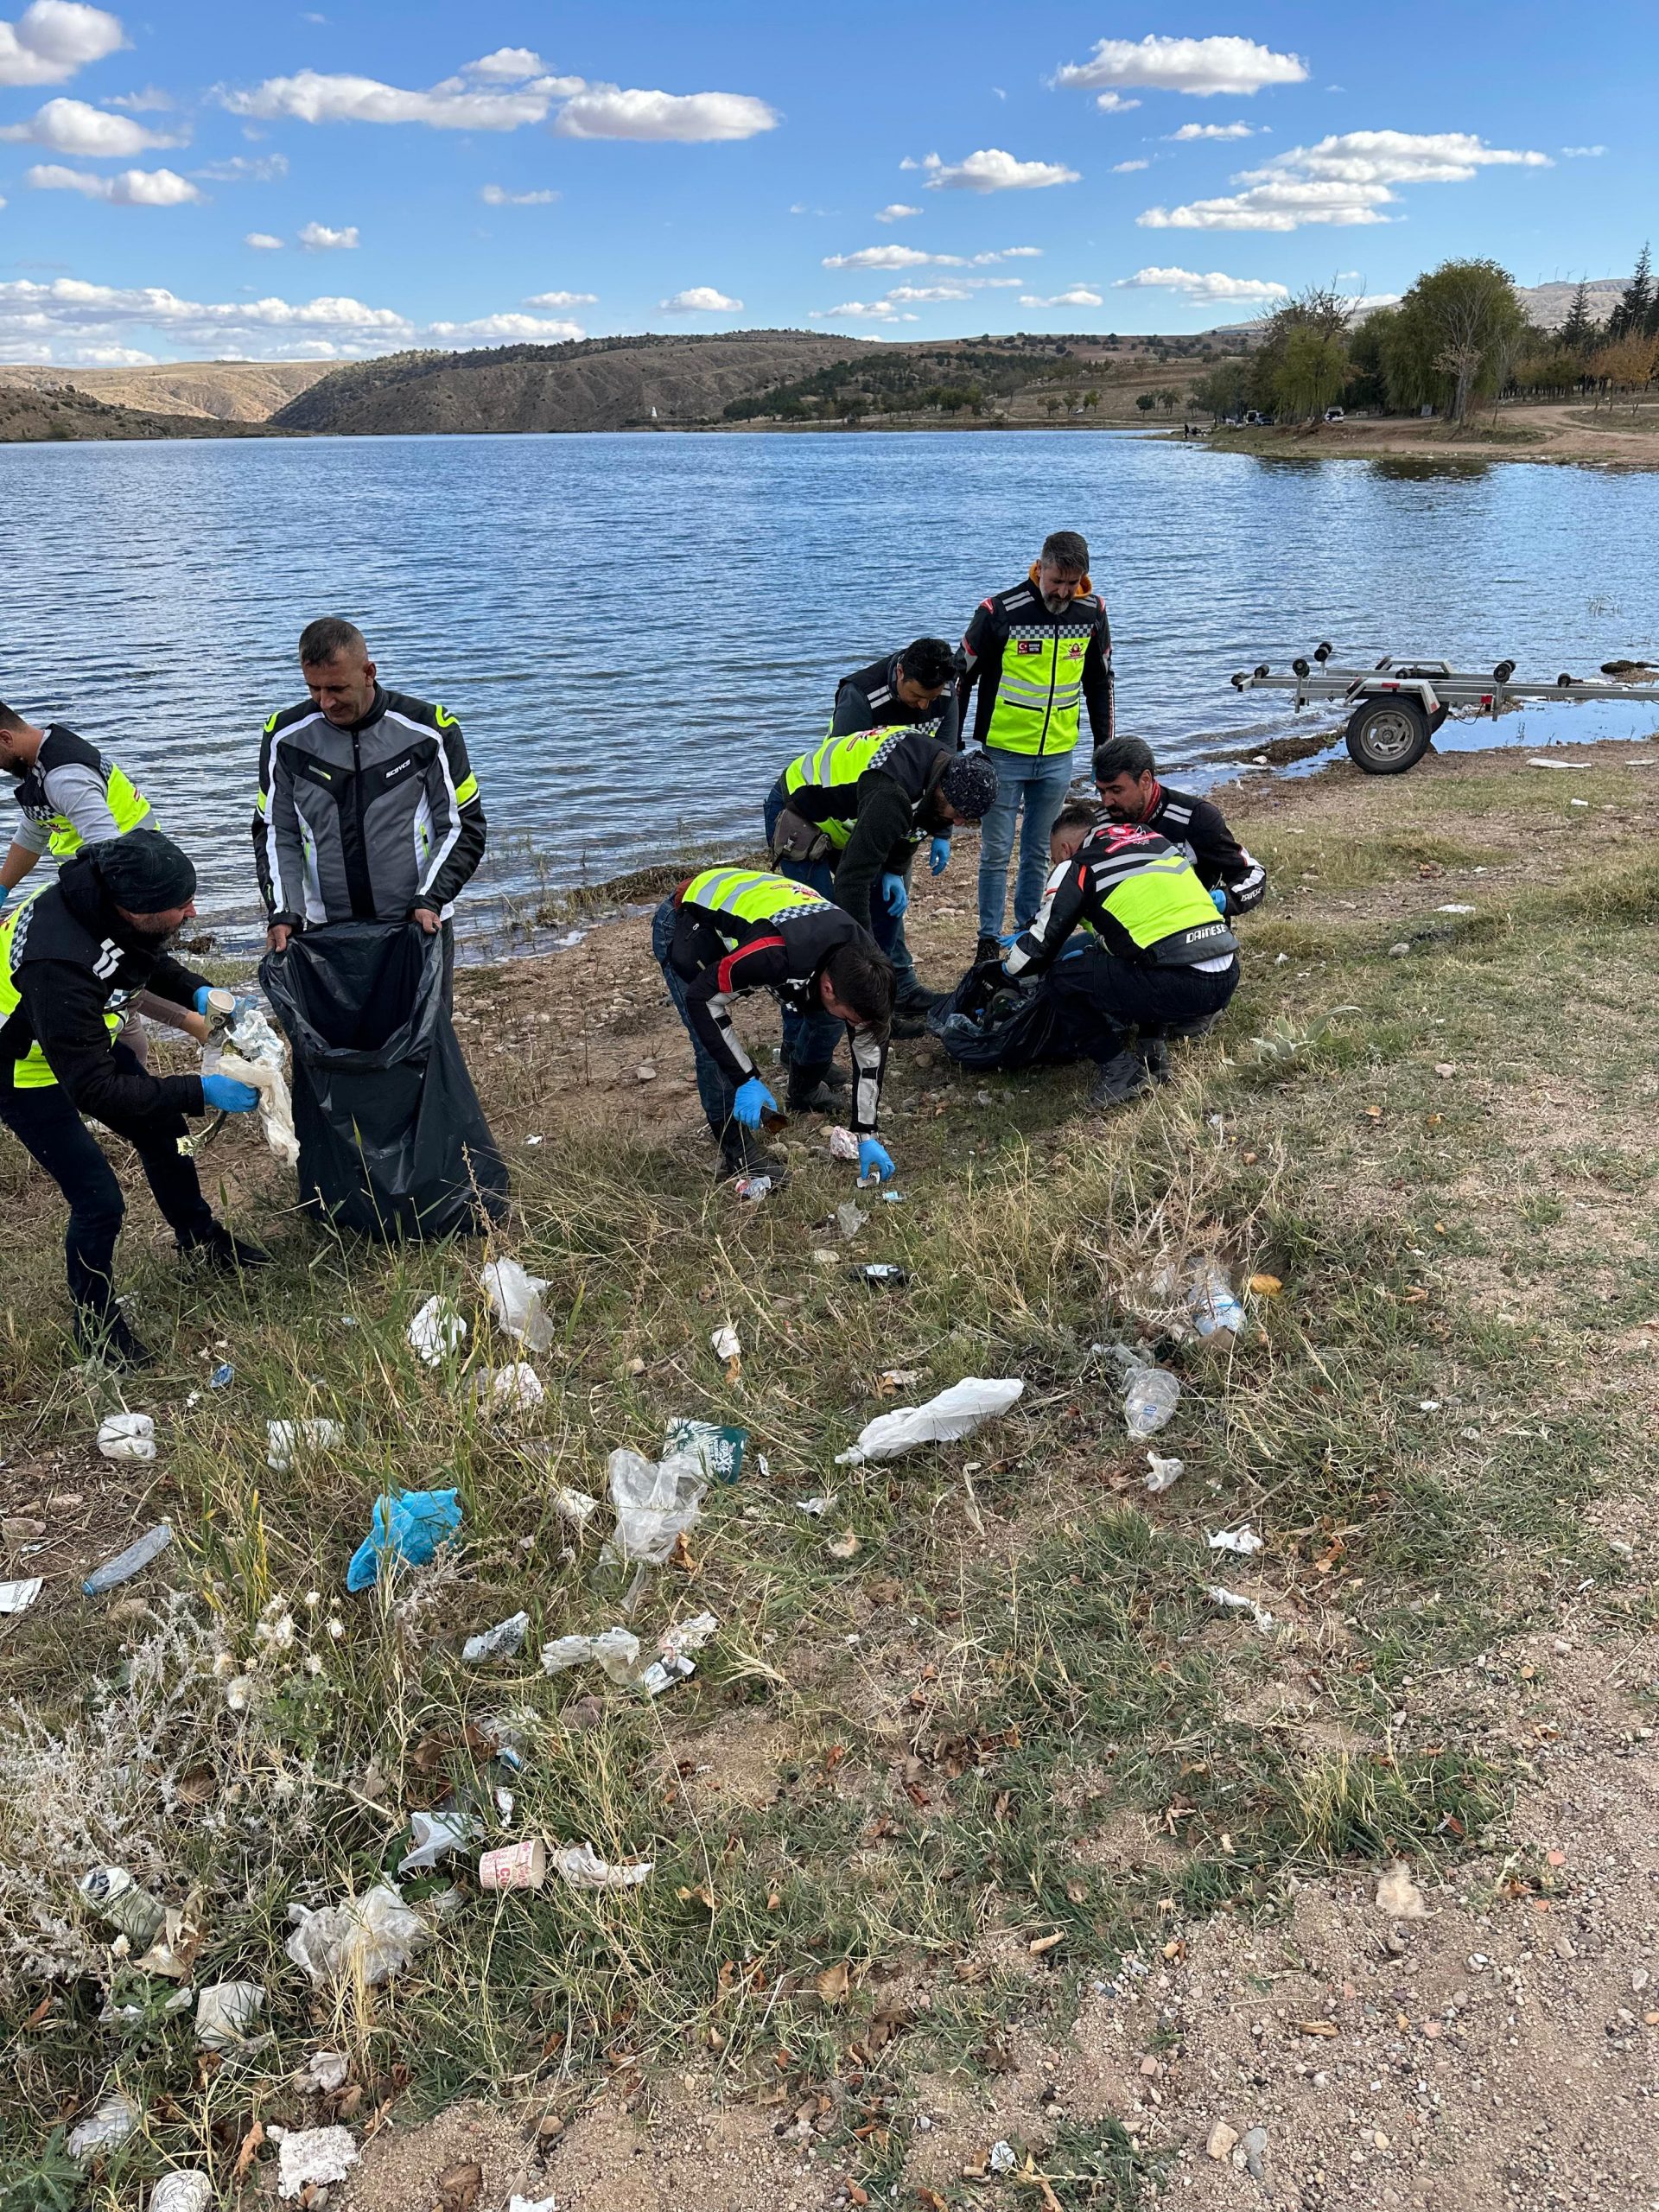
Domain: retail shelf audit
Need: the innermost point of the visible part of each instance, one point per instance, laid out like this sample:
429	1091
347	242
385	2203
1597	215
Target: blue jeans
889	929
1039	780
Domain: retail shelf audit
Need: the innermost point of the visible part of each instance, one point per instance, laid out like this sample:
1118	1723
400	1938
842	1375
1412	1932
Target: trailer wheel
1387	736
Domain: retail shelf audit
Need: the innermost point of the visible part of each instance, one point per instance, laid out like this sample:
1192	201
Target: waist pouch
795	838
1206	941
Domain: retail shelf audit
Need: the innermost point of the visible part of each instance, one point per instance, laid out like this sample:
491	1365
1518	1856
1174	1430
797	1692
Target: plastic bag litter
954	1413
514	1389
1165	1473
137	1556
1243	1541
185	2189
580	1865
1236	1602
516	1301
127	1436
227	2015
843	1145
616	1650
656	1503
410	1528
436	1330
575	1506
366	1939
258	1058
289	1440
108	2124
727	1342
817	1506
505	1641
18	1597
849	1218
311	2157
324	2070
674	1662
432	1836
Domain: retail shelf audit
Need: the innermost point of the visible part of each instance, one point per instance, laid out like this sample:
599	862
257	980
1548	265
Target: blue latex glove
226	1096
1218	894
895	897
200	1001
751	1101
409	1527
874	1158
938	855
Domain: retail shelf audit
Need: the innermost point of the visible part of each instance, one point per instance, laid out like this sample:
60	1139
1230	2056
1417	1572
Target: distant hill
604	383
1549	305
221	391
66	416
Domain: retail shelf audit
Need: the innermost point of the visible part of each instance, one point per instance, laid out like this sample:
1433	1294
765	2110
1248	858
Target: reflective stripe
1039	689
33	1071
466	790
1154	898
750	894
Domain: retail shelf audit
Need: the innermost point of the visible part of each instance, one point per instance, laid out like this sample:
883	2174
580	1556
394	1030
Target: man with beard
70	958
1127	779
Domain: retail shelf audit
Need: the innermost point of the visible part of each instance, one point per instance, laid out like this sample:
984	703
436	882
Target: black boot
1152	1052
1121	1078
914	997
106	1337
742	1153
810	1090
221	1254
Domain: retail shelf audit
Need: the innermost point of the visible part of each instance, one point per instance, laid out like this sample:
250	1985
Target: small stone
1255	2147
1220	2141
646	1072
1564	1947
1379	2139
1639	1980
1149	2067
20	1530
636	1365
1398	951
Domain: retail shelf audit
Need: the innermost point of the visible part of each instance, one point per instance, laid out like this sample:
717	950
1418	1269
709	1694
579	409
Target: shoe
988	949
221	1254
742	1154
1152	1052
908	1025
810	1090
917	1000
1121	1078
832	1075
106	1337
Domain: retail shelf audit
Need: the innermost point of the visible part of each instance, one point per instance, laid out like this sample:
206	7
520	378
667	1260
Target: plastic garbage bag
392	1139
508	1390
505	1641
954	1413
436	1330
108	2124
311	2157
432	1836
616	1650
516	1301
656	1501
409	1527
137	1556
366	1939
580	1865
289	1440
227	2015
127	1436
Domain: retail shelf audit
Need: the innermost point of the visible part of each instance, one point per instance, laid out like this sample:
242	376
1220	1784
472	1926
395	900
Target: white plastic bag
289	1440
617	1650
367	1938
516	1301
954	1413
505	1641
656	1501
580	1865
507	1390
227	2015
127	1436
436	1330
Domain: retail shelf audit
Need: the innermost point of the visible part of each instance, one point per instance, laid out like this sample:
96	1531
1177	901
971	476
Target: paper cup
518	1866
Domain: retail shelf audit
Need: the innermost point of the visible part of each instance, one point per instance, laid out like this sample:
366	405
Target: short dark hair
1123	756
1079	814
10	719
861	978
1067	549
330	634
928	661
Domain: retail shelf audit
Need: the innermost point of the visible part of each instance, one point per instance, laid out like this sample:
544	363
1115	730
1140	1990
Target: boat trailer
1399	705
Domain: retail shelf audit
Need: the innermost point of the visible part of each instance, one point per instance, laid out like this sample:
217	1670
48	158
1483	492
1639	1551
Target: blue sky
197	180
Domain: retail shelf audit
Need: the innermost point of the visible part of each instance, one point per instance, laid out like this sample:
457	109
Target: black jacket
1199	828
72	956
889	807
868	699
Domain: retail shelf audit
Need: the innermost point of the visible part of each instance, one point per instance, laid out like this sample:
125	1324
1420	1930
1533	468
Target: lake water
636	633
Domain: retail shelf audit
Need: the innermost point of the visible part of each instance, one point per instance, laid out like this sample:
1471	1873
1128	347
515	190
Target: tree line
1460	337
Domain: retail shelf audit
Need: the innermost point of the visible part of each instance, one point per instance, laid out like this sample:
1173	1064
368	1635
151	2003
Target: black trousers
1085	1009
46	1124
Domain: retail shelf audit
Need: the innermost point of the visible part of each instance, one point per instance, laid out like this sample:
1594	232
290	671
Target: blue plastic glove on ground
874	1158
1219	893
409	1527
751	1101
938	855
895	897
226	1096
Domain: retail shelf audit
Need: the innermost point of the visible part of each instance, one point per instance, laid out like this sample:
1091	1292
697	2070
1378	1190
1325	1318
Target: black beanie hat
969	784
144	871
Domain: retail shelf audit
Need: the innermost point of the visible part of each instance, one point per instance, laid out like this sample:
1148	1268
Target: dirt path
1564	431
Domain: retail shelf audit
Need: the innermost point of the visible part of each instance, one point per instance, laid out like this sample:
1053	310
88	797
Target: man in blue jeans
1039	653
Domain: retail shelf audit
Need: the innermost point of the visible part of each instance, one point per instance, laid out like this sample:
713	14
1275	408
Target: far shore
1566	431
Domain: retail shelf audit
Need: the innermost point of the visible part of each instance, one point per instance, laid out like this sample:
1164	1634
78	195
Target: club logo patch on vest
1027	644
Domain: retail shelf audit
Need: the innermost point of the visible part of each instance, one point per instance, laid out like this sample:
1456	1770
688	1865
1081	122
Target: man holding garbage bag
70	958
733	929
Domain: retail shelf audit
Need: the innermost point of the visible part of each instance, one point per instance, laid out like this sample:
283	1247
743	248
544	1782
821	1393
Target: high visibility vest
1159	896
126	802
1039	689
839	761
747	894
32	1072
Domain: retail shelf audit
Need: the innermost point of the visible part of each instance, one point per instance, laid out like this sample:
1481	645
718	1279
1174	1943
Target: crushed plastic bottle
1151	1397
126	1564
1214	1306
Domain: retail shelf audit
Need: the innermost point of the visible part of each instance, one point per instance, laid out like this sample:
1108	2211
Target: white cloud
1127	169
67	126
318	238
1212	285
609	112
990	170
862	311
151	100
113	357
1345	180
508	65
54	38
562	300
497	196
314	97
894	212
1078	297
1202	67
1115	104
70	312
1190	131
1583	153
263	242
701	299
509	326
882	257
245	168
131	188
907	294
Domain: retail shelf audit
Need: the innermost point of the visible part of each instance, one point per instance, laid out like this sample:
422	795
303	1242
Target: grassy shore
975	1767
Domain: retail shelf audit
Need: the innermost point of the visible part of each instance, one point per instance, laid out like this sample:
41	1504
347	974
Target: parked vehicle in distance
1334	415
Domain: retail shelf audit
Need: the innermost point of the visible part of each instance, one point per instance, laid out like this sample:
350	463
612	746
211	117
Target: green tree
1633	316
1221	391
1579	331
1453	337
1145	402
1367	386
1168	398
1318	310
1312	370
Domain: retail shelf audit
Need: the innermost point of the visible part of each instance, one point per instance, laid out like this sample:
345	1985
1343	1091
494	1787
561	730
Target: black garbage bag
1010	1026
393	1141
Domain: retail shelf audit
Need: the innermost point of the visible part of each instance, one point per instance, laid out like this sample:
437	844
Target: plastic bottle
1152	1396
126	1564
1214	1306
